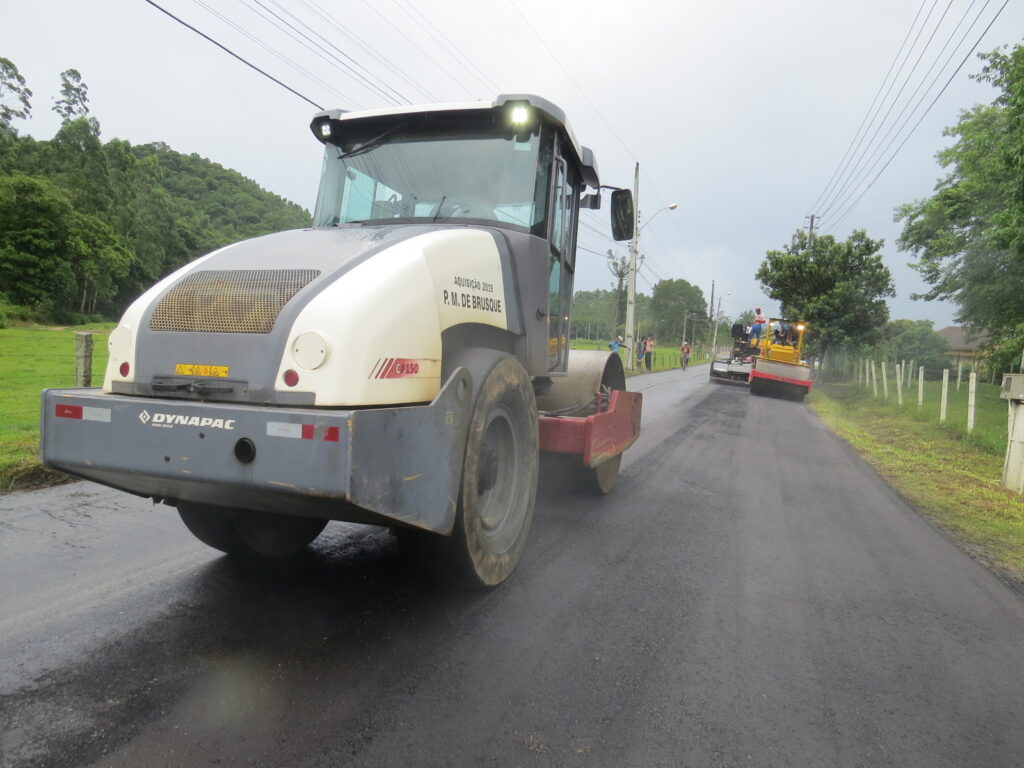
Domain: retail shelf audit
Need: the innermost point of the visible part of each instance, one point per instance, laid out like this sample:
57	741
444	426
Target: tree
619	267
968	237
593	314
34	218
915	340
14	96
836	287
673	305
746	317
74	100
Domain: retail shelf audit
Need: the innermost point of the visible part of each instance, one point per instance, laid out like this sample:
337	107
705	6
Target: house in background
961	351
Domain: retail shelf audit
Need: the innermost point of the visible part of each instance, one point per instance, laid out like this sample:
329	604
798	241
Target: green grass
662	360
950	478
34	358
989	418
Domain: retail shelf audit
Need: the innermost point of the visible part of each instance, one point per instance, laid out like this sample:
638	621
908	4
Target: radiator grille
229	301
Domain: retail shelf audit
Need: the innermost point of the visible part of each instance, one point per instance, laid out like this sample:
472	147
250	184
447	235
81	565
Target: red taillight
291	378
124	370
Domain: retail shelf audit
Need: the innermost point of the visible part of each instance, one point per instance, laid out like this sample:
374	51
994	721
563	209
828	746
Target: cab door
564	198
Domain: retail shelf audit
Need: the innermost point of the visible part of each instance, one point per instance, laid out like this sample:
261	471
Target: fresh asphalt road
750	595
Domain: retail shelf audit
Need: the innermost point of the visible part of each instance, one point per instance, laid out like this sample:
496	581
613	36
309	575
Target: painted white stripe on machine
284	429
96	414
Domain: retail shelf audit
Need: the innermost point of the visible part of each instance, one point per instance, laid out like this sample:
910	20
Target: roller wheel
499	473
601	479
249	533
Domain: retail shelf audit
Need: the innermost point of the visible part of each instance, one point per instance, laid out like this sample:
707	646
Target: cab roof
553	115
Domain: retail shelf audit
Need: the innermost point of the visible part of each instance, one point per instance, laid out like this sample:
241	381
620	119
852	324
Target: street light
631	285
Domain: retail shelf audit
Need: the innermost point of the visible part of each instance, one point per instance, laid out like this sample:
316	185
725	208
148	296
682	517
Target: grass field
32	359
989	420
954	480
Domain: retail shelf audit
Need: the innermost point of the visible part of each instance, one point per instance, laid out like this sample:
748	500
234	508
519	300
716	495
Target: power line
454	50
829	205
333	23
871	162
401	98
415	45
925	113
229	51
311	45
276	54
881	85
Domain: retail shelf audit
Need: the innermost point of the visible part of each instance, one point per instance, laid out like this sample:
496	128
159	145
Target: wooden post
945	396
920	387
874	380
899	383
83	359
972	392
959	371
885	384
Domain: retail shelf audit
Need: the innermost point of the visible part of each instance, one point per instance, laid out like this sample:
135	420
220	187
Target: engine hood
215	329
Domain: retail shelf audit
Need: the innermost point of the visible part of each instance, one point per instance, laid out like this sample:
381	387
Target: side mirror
622	214
591	202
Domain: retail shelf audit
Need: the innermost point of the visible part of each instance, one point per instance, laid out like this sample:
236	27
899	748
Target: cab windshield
391	173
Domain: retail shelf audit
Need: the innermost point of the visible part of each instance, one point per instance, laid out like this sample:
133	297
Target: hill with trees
86	226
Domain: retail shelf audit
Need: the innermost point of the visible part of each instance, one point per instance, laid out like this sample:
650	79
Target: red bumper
597	437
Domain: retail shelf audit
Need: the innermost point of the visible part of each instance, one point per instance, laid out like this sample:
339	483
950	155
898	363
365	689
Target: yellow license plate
191	369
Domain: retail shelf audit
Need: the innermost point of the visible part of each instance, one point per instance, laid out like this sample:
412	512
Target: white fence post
899	384
920	387
972	392
945	396
909	373
885	383
959	370
874	380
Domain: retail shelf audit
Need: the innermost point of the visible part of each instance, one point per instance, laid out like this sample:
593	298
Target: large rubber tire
247	533
499	471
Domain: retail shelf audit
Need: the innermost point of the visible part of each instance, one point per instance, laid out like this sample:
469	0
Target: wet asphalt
750	595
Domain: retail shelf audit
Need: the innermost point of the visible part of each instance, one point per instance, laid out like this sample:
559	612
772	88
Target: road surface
750	595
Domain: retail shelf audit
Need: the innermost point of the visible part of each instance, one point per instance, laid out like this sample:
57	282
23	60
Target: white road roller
403	362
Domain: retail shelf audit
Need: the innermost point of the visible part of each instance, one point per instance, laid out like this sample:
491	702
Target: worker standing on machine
760	321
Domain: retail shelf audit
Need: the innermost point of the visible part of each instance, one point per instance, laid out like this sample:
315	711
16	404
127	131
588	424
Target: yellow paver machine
778	366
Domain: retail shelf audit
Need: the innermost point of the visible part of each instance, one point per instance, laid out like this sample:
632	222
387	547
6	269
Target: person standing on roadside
640	343
648	352
684	355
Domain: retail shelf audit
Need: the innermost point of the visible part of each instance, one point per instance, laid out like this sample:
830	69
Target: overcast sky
738	111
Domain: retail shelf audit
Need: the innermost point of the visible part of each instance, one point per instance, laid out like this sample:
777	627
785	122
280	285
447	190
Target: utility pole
714	335
810	236
631	282
711	311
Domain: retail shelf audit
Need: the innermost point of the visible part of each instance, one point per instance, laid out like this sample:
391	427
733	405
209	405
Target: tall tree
15	96
74	96
968	237
836	287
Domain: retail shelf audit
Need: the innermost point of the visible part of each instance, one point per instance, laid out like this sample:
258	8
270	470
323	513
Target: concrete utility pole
631	282
711	313
810	237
